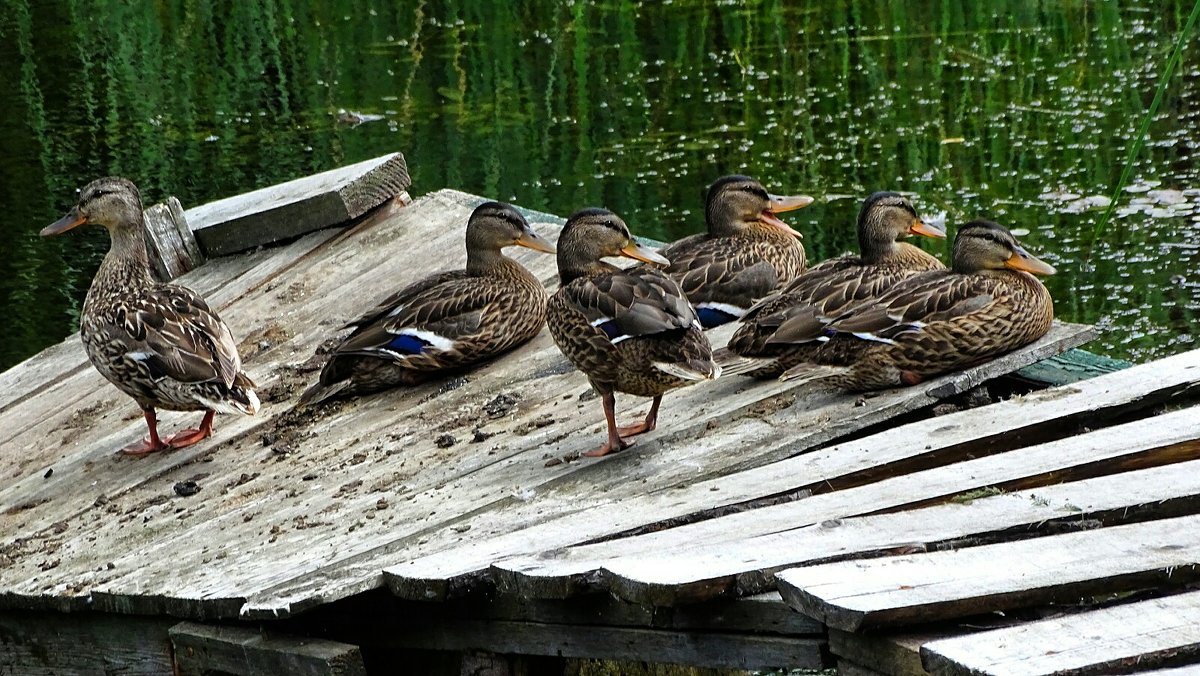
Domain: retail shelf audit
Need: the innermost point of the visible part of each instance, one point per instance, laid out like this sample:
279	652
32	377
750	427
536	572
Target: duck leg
615	442
147	446
646	425
192	435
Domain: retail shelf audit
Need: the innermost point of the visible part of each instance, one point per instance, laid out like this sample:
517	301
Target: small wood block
901	590
202	649
170	243
1142	635
291	209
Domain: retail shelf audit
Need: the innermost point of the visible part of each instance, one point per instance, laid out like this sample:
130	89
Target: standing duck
784	327
935	322
629	331
746	254
446	321
158	343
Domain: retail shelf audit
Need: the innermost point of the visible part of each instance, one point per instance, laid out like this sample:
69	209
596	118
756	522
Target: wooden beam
901	590
237	651
291	209
1161	632
172	247
738	651
83	643
881	653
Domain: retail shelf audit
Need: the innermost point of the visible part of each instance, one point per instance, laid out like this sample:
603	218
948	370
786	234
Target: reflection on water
1017	110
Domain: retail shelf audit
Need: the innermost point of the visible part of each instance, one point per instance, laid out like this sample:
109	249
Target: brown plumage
940	321
746	254
783	328
629	331
158	343
447	321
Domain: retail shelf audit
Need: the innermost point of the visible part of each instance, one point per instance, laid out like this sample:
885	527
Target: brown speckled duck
158	343
935	322
629	331
746	254
447	321
784	327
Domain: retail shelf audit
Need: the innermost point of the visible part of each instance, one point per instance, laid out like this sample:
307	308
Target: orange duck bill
645	254
1027	262
71	220
780	204
924	229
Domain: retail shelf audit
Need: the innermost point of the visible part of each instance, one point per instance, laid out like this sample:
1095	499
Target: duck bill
1027	262
780	204
924	229
640	253
532	240
71	220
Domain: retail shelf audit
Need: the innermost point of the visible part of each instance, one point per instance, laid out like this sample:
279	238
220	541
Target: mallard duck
446	321
987	304
783	328
629	331
746	253
158	343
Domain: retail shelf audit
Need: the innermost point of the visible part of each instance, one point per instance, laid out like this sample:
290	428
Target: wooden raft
444	490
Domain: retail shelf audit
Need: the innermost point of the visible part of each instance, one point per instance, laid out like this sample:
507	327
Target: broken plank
1161	632
897	453
703	571
287	210
899	590
237	651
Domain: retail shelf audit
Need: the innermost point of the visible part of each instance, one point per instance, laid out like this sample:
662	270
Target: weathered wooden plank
287	210
928	587
739	651
237	651
819	533
1130	637
703	559
169	241
48	644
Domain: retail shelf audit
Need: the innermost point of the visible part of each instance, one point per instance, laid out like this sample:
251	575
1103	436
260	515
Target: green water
1012	110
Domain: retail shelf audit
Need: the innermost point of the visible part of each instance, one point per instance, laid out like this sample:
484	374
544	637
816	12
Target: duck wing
173	332
924	299
639	302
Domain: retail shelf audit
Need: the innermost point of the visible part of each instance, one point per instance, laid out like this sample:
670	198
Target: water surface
1018	111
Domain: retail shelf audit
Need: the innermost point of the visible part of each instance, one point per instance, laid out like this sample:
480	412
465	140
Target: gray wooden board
338	493
1118	639
714	650
561	572
239	651
49	644
291	209
693	568
898	590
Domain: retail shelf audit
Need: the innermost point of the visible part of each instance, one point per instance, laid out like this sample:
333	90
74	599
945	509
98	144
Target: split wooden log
172	247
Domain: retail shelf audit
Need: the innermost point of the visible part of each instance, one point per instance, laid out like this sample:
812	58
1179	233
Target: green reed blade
1144	129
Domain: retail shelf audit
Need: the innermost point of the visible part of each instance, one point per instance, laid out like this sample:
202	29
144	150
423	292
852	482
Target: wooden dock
458	517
